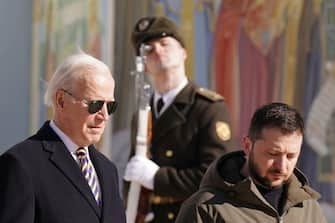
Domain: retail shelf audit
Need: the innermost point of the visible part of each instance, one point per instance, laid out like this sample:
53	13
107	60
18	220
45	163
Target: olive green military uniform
186	138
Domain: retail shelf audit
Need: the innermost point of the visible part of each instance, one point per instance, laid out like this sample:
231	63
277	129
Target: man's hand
141	170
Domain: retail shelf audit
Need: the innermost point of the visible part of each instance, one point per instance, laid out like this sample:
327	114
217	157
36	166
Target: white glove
141	170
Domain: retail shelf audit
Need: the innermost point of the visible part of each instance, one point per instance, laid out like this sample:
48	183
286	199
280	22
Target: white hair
71	69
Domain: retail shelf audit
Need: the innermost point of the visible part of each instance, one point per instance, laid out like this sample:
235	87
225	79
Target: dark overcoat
41	182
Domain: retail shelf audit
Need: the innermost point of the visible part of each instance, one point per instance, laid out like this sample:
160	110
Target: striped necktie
89	173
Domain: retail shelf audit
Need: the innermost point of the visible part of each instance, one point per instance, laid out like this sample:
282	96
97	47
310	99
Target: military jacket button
170	216
169	153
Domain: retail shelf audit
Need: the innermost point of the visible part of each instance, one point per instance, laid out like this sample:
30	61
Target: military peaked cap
149	28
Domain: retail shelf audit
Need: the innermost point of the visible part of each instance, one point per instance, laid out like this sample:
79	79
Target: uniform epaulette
211	95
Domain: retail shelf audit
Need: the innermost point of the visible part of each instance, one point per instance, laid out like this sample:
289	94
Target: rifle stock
138	197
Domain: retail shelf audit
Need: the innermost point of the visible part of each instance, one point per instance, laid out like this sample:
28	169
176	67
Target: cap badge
143	25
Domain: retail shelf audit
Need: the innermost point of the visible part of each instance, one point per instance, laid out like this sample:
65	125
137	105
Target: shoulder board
211	95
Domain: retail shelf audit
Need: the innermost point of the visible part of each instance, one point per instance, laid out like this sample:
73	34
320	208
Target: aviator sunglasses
94	106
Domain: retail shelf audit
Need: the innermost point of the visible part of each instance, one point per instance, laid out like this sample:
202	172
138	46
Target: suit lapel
63	160
175	115
107	185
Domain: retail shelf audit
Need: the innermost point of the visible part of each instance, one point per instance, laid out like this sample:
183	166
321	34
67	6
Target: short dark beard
254	172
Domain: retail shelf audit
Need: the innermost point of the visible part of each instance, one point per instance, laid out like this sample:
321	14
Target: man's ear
185	54
246	144
59	99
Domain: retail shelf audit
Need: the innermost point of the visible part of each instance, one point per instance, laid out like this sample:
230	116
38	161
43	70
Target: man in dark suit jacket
41	178
190	128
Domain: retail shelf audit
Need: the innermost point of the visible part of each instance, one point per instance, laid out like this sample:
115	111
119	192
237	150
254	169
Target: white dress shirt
72	147
168	97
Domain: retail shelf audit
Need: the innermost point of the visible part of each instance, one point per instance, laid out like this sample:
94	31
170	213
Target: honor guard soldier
190	124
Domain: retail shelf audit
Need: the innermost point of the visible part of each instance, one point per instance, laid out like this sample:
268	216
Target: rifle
138	198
